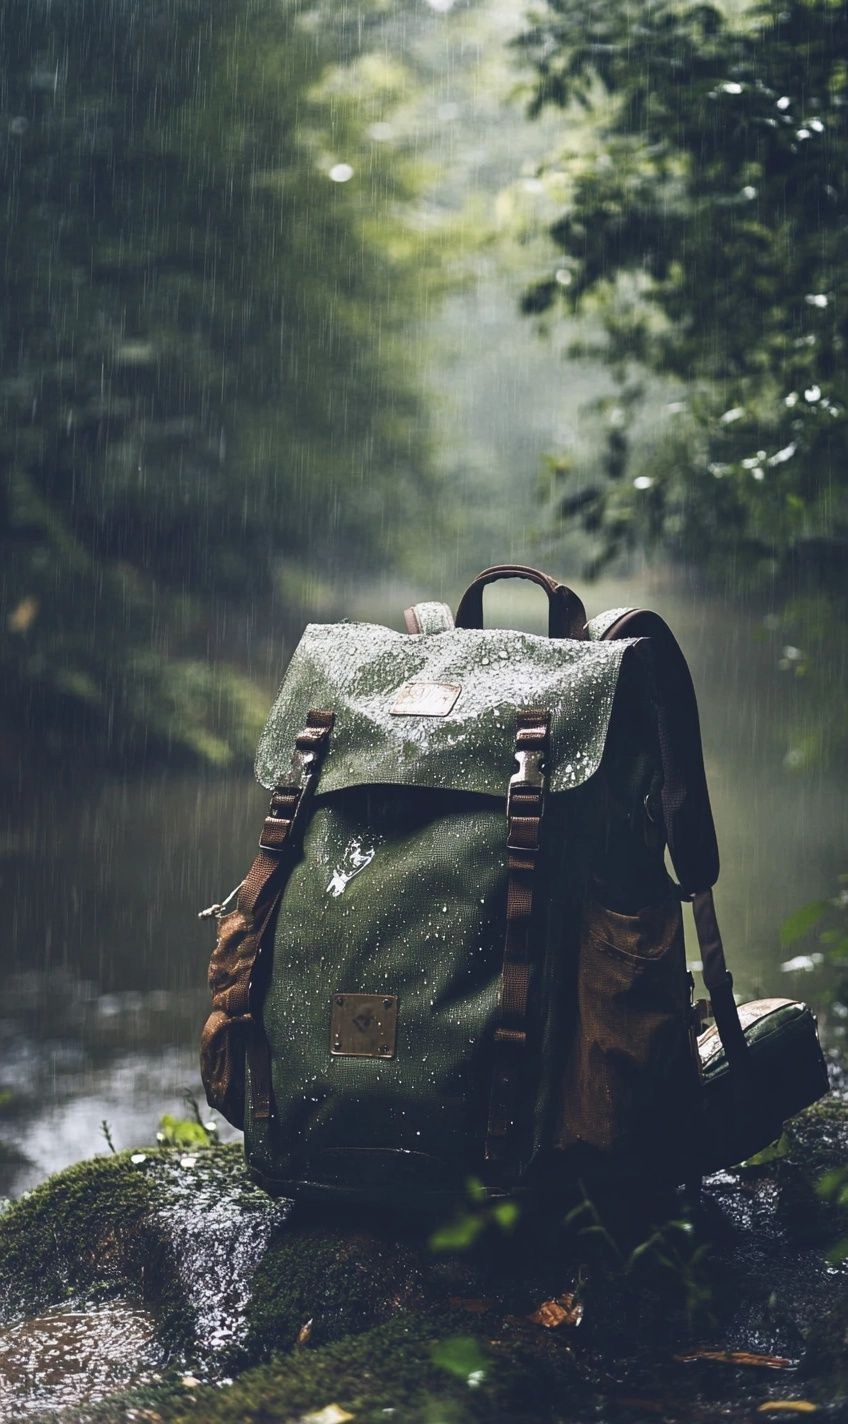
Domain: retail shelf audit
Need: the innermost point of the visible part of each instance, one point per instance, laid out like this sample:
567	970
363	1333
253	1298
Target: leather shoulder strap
689	826
685	800
428	618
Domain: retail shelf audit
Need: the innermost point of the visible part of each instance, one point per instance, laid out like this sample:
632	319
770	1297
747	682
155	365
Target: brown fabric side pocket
231	964
630	1073
226	1034
223	1051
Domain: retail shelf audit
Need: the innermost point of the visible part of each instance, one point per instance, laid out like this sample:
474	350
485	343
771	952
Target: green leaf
181	1132
577	1213
457	1235
830	1185
773	1153
460	1355
801	921
638	1252
506	1214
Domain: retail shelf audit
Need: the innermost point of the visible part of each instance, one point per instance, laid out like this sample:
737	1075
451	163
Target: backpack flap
439	711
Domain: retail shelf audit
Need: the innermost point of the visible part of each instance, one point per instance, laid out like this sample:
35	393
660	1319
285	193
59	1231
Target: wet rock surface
163	1286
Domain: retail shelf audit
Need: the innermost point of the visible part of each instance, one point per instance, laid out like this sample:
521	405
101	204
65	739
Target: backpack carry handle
566	614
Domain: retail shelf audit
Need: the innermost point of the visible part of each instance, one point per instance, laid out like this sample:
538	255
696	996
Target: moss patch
83	1232
341	1283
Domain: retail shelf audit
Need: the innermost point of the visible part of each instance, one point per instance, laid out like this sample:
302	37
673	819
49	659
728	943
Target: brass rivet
387	1003
340	1000
384	1048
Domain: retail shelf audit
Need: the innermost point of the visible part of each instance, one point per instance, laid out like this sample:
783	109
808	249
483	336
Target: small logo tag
364	1026
425	699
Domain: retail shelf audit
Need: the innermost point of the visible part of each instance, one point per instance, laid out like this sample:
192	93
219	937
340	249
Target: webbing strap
525	806
262	887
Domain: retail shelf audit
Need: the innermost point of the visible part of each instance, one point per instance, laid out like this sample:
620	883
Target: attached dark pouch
630	1071
745	1108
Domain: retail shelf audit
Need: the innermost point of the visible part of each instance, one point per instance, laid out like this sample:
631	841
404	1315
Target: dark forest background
238	241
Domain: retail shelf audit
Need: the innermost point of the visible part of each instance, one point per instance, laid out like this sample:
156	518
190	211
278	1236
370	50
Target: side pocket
223	1052
232	960
225	1035
630	1076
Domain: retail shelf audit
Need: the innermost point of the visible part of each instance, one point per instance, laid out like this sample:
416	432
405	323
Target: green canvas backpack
458	952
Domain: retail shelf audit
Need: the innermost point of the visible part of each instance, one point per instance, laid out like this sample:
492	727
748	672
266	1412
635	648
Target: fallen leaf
474	1307
304	1334
331	1414
787	1406
565	1310
738	1357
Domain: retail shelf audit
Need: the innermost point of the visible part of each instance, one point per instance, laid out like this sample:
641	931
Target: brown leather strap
718	980
566	614
685	799
687	813
525	806
261	890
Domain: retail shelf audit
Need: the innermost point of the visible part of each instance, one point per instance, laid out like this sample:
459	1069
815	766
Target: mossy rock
265	1313
83	1232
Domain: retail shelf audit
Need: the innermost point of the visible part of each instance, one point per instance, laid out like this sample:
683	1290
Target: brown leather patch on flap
425	699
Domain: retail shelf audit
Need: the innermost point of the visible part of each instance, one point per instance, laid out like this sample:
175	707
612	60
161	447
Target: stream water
105	961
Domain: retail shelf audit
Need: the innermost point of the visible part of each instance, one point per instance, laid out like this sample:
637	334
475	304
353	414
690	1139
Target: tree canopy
704	224
197	231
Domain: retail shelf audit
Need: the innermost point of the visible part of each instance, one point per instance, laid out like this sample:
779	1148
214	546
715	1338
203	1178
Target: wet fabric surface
359	669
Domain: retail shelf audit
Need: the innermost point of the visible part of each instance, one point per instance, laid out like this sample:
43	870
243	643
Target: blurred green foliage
673	1258
704	188
205	270
462	1355
703	223
826	922
480	1219
833	1189
183	1132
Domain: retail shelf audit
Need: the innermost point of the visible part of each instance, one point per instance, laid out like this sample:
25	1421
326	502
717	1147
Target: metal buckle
530	775
309	748
304	763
